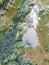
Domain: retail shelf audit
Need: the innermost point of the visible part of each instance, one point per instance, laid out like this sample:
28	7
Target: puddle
31	36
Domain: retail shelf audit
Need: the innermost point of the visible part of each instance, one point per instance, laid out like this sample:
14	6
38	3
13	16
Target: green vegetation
3	4
2	38
1	1
17	4
47	47
46	60
12	48
43	26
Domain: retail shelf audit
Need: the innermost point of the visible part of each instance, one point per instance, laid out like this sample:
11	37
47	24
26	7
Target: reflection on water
31	35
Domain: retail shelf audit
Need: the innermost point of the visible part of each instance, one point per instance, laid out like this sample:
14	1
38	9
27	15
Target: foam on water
34	16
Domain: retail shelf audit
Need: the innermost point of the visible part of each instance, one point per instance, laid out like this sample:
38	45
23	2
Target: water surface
31	35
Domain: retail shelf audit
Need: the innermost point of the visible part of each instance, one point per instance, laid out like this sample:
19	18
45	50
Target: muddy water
38	35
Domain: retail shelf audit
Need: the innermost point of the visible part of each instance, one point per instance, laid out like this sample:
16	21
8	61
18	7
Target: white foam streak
34	16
